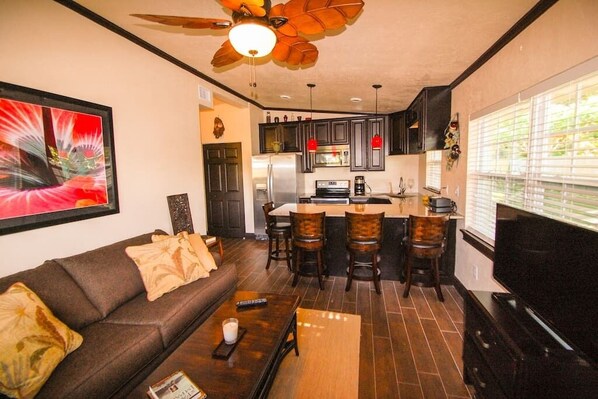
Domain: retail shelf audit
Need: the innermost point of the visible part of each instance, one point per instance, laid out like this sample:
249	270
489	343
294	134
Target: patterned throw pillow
203	253
199	246
166	265
32	342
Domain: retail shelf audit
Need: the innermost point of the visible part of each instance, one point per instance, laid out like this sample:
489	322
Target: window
539	153
433	168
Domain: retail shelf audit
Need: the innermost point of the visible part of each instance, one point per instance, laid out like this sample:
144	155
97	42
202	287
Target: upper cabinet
427	117
290	138
355	131
363	156
398	134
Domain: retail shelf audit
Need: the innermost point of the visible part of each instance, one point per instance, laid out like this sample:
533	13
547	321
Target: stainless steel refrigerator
276	178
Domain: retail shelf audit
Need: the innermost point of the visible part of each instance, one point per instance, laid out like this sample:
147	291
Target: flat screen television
551	269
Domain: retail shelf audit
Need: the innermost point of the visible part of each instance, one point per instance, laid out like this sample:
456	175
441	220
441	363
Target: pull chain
252	74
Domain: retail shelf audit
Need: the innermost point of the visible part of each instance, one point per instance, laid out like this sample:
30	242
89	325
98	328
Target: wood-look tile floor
410	348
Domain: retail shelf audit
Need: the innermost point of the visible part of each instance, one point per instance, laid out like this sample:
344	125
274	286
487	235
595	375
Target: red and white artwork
51	160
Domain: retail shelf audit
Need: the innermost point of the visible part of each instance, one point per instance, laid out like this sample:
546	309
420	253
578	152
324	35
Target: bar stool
308	232
426	240
277	231
364	238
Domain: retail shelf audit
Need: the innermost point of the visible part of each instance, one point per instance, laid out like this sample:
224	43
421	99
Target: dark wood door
223	173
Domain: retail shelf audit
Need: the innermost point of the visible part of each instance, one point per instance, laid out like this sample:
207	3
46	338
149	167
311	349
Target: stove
332	192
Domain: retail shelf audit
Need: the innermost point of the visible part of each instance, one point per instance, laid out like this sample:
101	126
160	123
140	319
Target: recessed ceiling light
355	100
285	96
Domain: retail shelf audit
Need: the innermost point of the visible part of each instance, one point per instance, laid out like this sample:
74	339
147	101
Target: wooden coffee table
251	368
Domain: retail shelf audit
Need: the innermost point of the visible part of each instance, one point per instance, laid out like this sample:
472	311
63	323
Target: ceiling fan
258	29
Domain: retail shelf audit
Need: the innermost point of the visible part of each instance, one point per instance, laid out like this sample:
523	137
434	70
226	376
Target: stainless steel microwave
333	155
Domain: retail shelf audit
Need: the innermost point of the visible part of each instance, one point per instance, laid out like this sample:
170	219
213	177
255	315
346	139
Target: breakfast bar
396	215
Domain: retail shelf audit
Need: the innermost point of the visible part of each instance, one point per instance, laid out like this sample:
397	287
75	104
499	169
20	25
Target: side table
212	241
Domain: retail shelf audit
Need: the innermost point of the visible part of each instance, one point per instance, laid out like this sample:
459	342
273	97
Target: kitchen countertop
400	208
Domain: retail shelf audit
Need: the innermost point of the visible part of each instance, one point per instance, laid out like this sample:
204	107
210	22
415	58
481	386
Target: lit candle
230	328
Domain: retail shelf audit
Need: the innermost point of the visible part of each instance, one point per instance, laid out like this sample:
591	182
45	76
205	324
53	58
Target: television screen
552	267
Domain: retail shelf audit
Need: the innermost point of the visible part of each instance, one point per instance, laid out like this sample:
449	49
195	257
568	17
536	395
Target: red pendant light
312	143
376	138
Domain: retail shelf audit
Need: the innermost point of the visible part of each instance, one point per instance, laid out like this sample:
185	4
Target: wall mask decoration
218	127
451	142
57	160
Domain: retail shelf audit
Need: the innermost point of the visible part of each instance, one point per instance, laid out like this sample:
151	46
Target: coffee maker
359	185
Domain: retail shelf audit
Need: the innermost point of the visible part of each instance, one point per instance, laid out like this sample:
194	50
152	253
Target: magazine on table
176	386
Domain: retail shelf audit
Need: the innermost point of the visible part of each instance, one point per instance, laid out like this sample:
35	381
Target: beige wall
156	131
240	124
566	35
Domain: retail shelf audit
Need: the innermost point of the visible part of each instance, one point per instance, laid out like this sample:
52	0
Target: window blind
539	154
433	169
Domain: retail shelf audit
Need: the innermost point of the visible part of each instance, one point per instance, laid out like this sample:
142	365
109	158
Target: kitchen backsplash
405	166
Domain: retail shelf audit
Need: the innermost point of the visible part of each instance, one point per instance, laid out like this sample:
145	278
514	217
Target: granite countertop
399	208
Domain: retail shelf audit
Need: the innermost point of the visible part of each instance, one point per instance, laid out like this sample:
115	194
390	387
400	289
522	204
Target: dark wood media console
508	354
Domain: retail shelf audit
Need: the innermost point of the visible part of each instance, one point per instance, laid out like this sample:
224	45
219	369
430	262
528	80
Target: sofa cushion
172	313
111	355
107	275
32	342
58	291
166	264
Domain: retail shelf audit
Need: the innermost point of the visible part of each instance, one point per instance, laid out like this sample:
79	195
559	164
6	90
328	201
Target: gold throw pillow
166	265
199	246
32	342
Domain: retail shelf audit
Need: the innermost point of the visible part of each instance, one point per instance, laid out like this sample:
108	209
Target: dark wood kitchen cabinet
330	132
291	137
363	156
508	354
307	159
427	117
398	134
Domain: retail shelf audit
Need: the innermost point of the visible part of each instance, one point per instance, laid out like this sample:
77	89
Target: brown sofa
100	294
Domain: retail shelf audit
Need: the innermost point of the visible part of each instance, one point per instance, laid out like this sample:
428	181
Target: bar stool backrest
364	231
427	235
270	220
308	229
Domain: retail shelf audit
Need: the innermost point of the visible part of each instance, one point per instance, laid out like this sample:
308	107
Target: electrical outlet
457	192
475	272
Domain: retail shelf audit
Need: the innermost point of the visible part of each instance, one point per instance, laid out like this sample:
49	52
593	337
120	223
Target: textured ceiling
403	45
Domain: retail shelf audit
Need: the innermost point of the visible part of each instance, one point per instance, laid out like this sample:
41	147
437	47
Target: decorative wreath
451	142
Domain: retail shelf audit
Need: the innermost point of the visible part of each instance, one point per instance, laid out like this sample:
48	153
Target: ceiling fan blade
225	55
294	50
316	16
254	7
186	22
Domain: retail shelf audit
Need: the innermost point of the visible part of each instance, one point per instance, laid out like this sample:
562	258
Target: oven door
330	200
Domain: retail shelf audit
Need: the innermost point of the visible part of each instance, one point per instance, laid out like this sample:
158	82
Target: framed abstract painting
57	161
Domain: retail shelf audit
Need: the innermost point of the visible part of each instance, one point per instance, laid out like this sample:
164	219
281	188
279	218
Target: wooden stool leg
288	252
319	266
407	277
351	269
375	276
269	252
437	280
297	264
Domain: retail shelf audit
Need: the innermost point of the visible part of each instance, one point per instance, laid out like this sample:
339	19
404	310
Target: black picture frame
57	159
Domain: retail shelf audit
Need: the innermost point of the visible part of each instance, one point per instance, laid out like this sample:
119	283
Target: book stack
176	386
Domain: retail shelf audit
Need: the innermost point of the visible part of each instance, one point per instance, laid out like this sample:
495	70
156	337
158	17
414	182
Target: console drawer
492	349
479	373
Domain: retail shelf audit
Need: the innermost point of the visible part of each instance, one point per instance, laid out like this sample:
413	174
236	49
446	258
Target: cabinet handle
478	336
476	377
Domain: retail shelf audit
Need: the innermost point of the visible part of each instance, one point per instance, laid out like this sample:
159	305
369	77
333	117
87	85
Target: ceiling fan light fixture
252	38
